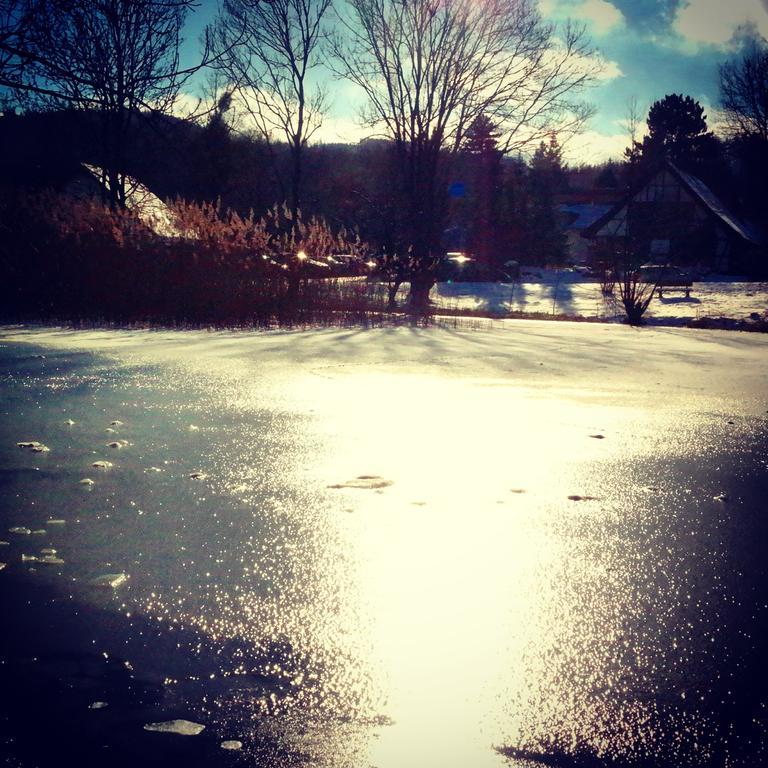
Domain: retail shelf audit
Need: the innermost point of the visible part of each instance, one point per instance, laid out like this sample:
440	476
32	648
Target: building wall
664	222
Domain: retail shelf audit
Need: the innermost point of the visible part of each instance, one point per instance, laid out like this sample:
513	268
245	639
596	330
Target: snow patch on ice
368	482
180	727
34	446
232	744
112	580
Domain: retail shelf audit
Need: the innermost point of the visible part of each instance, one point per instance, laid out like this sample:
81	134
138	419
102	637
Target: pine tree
607	178
547	178
484	160
482	136
677	130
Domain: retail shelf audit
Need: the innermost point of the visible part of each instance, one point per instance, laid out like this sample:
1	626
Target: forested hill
178	158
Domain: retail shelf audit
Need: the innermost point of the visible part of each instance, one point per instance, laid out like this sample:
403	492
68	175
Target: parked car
467	270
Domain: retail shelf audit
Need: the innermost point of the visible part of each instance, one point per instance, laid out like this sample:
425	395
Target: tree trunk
296	180
392	290
421	285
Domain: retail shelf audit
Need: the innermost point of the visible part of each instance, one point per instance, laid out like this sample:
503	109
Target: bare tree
633	153
271	49
632	119
429	68
636	291
111	57
15	18
744	94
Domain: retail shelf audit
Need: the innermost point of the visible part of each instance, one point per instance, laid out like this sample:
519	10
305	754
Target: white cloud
600	14
188	105
341	130
603	15
610	71
715	21
593	147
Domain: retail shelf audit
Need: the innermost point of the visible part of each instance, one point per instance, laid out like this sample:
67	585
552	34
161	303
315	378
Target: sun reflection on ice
451	561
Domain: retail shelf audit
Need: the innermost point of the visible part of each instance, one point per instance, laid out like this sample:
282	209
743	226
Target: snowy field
535	544
567	293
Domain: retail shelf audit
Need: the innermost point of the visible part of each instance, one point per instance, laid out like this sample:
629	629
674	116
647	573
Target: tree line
458	92
426	68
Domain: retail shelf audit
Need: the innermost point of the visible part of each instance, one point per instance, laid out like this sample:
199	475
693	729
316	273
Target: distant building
575	218
84	181
675	218
150	209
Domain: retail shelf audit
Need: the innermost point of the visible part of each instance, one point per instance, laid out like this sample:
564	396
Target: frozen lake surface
537	544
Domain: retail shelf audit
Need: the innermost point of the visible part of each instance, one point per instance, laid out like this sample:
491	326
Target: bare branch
744	93
269	52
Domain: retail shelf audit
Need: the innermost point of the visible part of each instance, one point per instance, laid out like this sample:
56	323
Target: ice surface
481	594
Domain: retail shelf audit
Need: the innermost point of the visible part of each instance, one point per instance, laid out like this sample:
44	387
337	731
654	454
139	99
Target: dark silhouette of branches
112	57
269	52
429	68
744	94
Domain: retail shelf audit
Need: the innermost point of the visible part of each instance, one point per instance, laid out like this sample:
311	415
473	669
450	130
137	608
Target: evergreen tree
547	167
607	178
484	164
547	178
677	130
482	136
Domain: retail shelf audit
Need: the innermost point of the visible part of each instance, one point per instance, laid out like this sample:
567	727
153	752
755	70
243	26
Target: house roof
701	191
701	194
583	215
150	209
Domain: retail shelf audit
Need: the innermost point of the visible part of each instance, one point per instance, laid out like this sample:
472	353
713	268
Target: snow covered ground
400	547
568	293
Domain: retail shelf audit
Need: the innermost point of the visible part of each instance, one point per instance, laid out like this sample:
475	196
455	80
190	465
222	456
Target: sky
653	48
650	48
